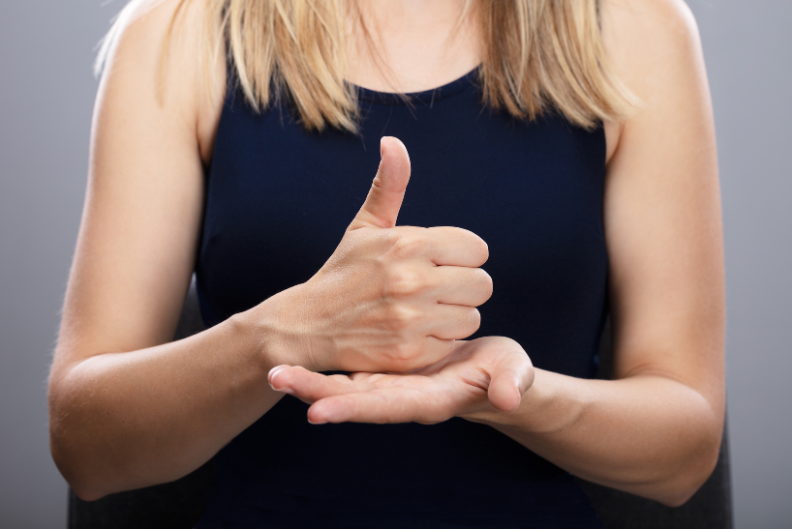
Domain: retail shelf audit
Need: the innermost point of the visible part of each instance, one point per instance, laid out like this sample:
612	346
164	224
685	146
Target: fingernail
312	411
287	390
274	371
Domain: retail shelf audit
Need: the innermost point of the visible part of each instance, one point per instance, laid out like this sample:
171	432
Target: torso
552	350
278	201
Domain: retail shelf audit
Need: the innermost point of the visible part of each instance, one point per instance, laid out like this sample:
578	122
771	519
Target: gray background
46	98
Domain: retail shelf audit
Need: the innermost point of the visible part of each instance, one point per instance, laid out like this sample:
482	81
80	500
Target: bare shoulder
142	29
654	48
668	15
155	51
136	249
647	40
655	23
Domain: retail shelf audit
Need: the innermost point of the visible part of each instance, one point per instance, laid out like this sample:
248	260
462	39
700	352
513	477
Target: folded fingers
459	285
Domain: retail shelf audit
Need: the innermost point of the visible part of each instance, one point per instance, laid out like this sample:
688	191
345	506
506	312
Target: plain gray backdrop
46	97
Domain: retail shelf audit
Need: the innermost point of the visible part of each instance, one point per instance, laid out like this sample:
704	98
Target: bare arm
127	408
656	430
119	419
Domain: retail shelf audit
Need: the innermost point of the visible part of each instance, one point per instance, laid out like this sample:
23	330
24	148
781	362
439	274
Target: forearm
127	420
648	435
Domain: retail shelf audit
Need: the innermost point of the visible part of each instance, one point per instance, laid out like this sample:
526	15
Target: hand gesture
483	374
389	298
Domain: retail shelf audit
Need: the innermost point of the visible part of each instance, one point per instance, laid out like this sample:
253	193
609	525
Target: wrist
280	328
546	407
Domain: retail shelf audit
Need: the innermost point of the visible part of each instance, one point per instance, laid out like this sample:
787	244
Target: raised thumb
387	191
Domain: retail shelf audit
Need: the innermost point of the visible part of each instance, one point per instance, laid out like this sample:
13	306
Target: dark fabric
278	202
176	505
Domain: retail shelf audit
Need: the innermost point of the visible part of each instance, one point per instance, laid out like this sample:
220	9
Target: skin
129	409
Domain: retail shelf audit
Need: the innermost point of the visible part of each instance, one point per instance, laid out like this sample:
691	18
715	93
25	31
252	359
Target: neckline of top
424	97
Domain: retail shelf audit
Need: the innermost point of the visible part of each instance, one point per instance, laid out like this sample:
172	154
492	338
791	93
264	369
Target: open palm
488	372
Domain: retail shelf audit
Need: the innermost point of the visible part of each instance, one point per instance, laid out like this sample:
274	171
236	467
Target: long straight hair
538	55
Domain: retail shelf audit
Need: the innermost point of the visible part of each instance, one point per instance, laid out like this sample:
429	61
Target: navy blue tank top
278	200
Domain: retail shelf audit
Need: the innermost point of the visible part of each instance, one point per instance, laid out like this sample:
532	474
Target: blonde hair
538	55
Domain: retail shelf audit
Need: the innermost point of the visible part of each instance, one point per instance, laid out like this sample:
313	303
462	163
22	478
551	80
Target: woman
574	137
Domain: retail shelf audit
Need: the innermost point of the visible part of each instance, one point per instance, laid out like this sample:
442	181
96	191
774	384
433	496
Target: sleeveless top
278	200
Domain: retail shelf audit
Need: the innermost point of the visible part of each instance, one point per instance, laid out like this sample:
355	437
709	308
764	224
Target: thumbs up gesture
389	299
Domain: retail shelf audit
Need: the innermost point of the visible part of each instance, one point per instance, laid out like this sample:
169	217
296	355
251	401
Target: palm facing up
491	372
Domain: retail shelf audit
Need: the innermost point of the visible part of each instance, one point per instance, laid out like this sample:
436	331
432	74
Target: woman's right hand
389	299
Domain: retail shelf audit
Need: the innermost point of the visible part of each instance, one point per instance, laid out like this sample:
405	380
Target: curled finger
510	379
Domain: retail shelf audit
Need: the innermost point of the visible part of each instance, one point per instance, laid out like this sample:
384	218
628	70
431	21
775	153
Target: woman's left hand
486	373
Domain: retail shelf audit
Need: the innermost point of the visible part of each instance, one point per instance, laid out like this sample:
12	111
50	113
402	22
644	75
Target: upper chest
472	168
